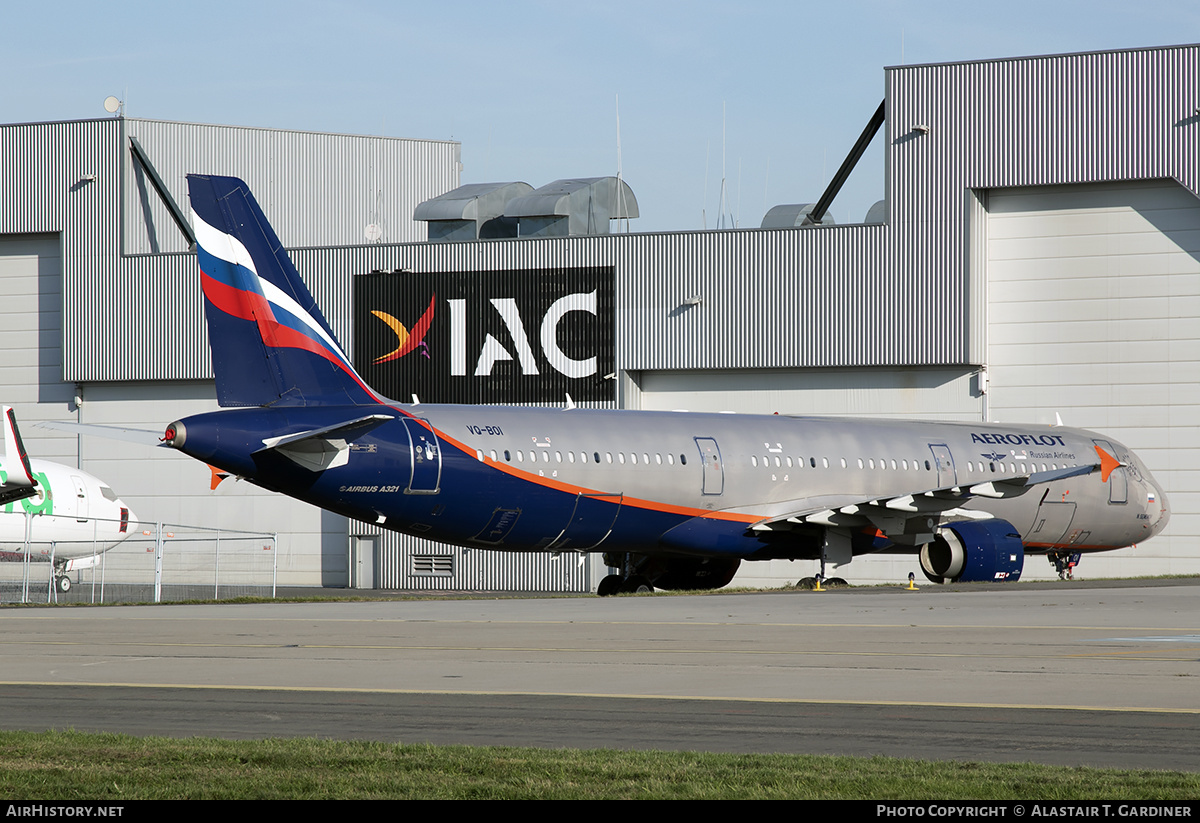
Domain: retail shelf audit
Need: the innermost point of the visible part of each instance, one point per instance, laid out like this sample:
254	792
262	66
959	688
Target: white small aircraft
73	516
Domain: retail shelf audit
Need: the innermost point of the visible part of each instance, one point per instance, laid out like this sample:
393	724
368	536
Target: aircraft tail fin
19	482
271	346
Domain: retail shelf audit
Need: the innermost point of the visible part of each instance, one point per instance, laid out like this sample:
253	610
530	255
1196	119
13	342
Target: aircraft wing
19	482
912	519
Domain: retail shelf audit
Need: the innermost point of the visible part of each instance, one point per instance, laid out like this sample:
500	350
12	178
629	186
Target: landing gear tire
836	583
807	583
637	585
62	584
610	585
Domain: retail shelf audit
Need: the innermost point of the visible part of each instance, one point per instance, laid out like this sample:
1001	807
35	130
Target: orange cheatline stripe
551	483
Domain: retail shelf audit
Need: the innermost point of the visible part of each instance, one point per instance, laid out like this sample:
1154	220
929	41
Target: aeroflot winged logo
508	336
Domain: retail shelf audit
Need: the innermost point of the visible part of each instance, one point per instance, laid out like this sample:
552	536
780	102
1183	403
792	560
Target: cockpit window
108	493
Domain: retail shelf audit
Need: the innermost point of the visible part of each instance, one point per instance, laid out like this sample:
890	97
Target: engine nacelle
682	574
974	551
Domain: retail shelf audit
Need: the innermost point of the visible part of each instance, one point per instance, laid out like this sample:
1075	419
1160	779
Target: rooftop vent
574	206
471	212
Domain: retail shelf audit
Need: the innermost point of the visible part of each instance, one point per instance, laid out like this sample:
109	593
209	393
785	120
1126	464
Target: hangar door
1093	312
31	332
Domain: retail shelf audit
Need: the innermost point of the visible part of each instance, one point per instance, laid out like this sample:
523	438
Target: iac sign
494	351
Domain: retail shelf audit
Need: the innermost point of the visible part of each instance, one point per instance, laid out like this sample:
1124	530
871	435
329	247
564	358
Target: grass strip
78	766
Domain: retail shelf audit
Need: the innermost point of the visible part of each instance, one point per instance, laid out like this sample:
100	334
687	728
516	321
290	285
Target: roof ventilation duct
575	206
791	216
471	212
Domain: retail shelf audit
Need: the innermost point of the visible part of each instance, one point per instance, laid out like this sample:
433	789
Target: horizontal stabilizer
324	448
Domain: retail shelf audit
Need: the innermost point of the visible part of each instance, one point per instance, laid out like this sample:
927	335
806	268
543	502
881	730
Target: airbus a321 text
677	500
74	517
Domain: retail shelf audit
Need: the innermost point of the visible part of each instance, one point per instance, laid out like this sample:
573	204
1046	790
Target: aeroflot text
998	439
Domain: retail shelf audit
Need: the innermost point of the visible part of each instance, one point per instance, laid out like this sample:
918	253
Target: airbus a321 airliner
676	500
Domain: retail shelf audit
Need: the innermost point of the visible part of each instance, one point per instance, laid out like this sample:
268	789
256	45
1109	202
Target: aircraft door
426	457
1118	483
591	522
713	477
81	500
944	465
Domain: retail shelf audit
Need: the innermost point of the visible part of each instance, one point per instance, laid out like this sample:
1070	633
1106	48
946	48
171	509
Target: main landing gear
630	581
615	584
62	582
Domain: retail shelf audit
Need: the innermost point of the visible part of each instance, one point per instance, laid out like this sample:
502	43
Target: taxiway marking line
617	696
1155	654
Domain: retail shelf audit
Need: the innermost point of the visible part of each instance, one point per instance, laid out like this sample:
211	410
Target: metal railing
157	562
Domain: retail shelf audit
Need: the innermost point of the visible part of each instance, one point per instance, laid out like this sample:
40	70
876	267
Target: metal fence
160	562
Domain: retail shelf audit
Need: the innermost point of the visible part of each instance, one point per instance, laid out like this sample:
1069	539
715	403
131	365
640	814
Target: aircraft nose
1157	507
129	522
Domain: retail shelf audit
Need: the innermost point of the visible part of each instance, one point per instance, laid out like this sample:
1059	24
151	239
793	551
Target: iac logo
409	341
530	335
494	351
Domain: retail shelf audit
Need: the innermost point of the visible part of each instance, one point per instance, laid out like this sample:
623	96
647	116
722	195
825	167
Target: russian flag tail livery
270	344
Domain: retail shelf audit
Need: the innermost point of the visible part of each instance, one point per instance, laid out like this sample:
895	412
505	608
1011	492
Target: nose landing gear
1064	563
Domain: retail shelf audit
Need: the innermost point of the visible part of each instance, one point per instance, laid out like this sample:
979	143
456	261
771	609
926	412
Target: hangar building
1037	253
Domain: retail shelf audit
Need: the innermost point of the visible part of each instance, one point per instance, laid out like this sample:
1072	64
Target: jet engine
974	551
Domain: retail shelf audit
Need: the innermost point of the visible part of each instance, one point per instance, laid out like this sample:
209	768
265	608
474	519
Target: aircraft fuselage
682	483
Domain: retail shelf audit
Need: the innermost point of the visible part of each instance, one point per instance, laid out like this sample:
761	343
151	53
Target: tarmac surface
1069	674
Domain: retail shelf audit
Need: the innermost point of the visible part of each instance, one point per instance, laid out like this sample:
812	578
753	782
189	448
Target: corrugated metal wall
318	189
132	305
480	569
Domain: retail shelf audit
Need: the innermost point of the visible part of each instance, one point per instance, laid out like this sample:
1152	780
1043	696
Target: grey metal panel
477	569
936	393
318	189
1095	302
132	303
